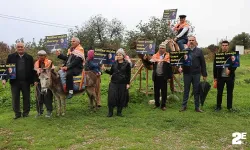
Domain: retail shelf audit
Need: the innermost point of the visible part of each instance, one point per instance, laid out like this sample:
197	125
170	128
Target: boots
110	114
119	111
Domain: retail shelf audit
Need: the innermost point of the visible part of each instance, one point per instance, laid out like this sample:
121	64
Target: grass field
141	127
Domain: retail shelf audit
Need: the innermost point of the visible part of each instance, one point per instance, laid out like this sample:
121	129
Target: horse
50	79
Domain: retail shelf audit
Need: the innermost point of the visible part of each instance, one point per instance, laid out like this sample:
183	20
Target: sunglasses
190	40
224	45
19	46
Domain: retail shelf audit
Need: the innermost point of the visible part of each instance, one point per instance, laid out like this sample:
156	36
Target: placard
169	14
55	42
104	56
145	47
8	70
182	58
226	59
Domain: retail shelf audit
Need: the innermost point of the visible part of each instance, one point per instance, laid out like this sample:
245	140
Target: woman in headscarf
95	67
120	82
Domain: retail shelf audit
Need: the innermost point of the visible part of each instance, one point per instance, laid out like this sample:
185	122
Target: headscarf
91	54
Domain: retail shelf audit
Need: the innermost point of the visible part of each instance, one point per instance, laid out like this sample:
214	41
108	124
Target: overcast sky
212	18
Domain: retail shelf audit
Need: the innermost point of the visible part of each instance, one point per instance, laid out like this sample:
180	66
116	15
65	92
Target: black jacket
217	71
29	67
75	62
121	73
167	71
198	63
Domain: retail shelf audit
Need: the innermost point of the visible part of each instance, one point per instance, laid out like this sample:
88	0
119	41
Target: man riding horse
182	30
74	63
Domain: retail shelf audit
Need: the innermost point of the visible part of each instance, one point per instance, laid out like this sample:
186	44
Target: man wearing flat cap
42	63
182	30
162	72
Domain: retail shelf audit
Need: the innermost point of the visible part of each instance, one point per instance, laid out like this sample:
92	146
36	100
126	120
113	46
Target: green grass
141	128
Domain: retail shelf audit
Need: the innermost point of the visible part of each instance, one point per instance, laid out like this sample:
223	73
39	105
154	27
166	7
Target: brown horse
51	80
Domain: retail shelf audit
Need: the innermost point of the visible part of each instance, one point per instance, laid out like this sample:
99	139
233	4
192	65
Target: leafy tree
241	39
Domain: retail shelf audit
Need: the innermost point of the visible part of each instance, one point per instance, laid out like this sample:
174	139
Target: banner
227	59
182	58
169	14
145	47
56	42
104	56
8	69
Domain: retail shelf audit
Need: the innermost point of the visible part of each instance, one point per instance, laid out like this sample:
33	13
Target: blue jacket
93	66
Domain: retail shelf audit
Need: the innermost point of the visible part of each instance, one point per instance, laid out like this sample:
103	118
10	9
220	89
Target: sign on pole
55	42
145	47
169	14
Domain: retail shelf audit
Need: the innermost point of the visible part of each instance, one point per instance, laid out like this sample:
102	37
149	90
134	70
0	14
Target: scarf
180	26
157	57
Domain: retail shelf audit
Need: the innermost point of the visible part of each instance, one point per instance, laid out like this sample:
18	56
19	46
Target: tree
213	48
100	32
5	50
241	39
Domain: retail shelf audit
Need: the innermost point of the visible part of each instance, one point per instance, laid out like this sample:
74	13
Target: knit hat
91	54
121	51
41	53
162	45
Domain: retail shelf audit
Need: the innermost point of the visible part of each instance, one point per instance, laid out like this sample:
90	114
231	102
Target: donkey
50	79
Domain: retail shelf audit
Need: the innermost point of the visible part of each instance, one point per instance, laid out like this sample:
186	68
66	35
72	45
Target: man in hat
42	63
182	30
74	63
162	72
24	78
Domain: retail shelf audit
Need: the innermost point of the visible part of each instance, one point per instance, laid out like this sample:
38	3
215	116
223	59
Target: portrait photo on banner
145	47
55	42
104	56
169	14
227	59
182	58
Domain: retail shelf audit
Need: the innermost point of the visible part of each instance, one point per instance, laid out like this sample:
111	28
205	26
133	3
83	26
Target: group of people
27	74
162	73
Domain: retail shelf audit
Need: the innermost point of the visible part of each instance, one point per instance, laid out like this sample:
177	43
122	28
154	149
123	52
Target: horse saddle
79	81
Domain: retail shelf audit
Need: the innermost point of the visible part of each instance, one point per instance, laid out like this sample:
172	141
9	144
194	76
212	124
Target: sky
213	19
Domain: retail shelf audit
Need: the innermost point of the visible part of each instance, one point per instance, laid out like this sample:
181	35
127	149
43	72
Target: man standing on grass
224	76
192	74
162	72
42	63
24	78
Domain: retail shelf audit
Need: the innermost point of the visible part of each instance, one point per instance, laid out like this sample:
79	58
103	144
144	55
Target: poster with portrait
170	14
145	47
182	58
226	59
55	42
104	56
8	70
